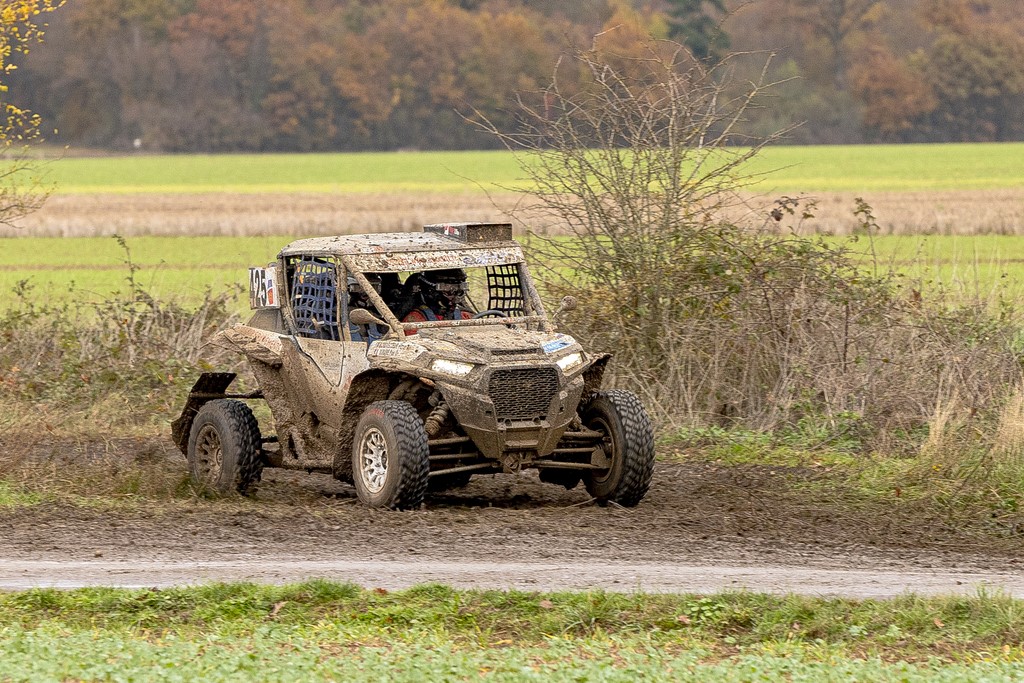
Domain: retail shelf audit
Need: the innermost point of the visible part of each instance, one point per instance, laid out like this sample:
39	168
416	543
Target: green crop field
975	265
179	268
182	268
793	169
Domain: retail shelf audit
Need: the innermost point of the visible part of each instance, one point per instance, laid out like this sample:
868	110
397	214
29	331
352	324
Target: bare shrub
112	362
715	322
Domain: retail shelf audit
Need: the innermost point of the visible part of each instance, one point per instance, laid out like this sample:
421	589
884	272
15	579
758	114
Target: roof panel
340	245
397	251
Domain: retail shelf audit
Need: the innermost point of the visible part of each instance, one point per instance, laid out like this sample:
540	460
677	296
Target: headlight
570	361
451	367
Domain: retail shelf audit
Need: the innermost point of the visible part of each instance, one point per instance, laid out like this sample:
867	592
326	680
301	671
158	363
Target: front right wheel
628	443
390	456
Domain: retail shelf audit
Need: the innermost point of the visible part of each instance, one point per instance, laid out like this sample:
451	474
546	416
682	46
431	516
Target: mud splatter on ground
695	514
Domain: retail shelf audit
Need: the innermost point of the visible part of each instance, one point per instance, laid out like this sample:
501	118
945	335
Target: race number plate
263	288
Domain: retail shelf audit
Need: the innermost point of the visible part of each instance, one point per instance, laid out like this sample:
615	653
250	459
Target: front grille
515	352
522	394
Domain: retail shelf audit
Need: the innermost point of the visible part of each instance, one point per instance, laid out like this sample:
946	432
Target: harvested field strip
946	212
235	214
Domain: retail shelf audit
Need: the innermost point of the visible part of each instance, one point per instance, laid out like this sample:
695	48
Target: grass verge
320	630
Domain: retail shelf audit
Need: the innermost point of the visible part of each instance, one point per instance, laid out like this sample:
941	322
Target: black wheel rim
607	444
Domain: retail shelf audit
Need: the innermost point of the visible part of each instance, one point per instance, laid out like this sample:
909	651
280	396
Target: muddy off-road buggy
366	383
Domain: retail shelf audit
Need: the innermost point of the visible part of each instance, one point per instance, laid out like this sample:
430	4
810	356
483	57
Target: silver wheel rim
373	459
209	455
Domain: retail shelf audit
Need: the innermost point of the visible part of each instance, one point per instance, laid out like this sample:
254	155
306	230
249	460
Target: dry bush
781	332
715	322
88	388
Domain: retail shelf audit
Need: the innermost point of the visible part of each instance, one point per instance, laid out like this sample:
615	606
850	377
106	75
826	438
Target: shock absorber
434	424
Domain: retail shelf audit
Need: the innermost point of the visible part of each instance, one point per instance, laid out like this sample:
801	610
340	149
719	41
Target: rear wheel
628	443
390	457
224	448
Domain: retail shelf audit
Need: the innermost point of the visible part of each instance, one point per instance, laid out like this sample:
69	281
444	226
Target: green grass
183	267
12	496
365	172
179	268
327	631
975	265
852	168
860	168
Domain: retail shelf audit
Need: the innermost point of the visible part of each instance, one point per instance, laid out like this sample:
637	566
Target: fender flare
371	385
209	387
594	375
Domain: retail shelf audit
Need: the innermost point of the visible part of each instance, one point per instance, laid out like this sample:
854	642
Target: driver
442	296
357	298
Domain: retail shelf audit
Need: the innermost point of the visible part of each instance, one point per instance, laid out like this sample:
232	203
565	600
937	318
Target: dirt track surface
702	528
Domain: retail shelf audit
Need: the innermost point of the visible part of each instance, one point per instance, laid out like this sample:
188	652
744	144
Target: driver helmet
447	286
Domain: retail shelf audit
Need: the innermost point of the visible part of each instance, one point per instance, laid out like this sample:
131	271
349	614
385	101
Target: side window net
504	291
314	296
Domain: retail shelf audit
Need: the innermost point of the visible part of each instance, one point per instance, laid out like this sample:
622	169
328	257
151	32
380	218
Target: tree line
306	75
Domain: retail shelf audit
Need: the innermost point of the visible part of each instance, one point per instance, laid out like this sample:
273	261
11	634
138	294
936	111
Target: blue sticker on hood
555	345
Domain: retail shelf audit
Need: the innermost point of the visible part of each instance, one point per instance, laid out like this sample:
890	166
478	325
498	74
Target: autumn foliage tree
895	94
304	75
20	28
977	77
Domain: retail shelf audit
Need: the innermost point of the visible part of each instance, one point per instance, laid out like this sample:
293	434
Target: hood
463	355
493	343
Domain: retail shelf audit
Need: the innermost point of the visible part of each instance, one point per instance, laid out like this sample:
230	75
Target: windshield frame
533	306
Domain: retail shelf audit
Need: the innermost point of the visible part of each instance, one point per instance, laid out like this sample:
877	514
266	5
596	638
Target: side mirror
568	304
361	316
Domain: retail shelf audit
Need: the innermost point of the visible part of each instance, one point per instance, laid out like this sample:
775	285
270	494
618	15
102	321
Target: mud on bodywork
497	392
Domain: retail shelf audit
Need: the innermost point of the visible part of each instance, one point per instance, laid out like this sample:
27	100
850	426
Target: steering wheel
490	313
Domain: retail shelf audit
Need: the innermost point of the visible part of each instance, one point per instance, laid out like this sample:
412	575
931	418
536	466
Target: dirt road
702	528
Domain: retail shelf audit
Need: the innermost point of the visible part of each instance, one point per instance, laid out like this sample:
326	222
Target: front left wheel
224	450
390	456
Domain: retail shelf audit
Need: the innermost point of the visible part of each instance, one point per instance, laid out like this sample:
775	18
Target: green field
321	631
973	265
177	268
794	169
182	268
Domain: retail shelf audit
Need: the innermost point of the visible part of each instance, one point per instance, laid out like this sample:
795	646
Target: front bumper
518	410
